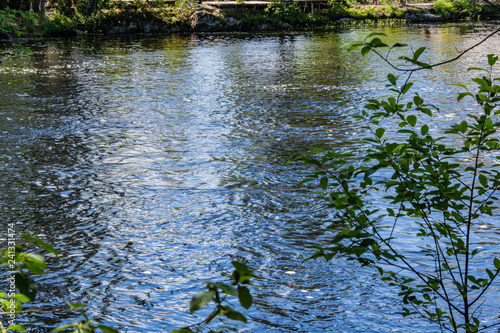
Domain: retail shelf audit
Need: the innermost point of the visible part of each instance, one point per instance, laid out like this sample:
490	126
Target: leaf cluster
25	264
217	292
86	325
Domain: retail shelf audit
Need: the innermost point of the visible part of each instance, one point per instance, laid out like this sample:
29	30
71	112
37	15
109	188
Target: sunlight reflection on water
152	163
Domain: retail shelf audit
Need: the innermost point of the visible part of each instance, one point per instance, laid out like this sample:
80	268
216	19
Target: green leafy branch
26	264
374	44
217	292
86	325
426	185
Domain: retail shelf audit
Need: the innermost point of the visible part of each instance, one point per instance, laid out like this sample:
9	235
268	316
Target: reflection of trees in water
290	92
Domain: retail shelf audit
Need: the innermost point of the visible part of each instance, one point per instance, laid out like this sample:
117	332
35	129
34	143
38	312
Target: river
152	162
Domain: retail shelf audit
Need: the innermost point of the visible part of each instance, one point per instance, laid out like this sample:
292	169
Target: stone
233	24
431	17
205	19
132	27
117	30
347	19
285	26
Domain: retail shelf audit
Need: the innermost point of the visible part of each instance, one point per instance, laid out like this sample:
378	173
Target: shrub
59	25
9	22
285	12
437	189
457	8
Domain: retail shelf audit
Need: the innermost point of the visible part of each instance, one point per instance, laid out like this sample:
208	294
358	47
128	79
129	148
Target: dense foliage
64	17
457	8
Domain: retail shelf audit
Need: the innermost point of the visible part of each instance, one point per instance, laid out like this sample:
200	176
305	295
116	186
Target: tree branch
406	70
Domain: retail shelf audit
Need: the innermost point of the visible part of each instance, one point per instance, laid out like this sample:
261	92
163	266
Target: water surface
151	163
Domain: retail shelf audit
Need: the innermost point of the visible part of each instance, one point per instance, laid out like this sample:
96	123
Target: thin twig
492	4
36	311
439	63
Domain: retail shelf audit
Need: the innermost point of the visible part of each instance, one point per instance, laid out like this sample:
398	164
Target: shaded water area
151	163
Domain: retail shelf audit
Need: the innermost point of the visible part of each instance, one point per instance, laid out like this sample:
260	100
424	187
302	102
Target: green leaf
418	52
488	123
369	172
241	278
399	45
21	298
480	81
377	42
16	328
242	268
392	79
418	100
26	286
475	69
75	306
380	132
483	180
424	65
227	288
40	242
244	297
496	262
323	183
303	181
424	130
107	329
35	263
371	34
372	107
201	299
412	120
492	59
406	87
182	330
36	258
464	126
354	46
63	327
365	50
391	147
235	315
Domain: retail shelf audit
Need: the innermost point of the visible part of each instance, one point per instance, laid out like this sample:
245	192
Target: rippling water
152	163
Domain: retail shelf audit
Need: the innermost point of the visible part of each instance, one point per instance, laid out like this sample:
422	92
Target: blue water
151	163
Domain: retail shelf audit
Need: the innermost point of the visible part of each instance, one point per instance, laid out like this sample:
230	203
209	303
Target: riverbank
126	17
275	16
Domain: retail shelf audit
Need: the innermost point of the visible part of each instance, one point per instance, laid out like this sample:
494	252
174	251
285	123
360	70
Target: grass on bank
457	8
99	19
